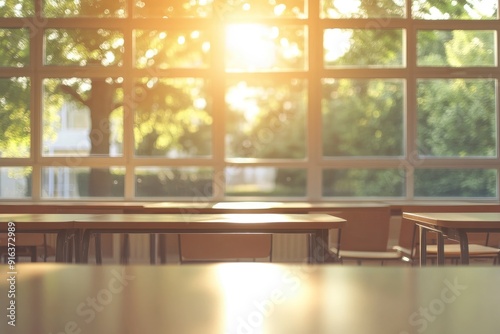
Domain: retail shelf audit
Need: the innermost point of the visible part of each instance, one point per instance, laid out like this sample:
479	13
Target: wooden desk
252	298
317	225
255	207
453	225
60	224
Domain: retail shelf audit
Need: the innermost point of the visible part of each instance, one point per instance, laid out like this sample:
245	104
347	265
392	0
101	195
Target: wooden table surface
234	222
257	207
480	220
251	298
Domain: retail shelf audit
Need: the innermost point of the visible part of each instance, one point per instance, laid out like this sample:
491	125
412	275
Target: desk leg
61	246
77	239
423	246
310	247
152	248
125	254
464	247
85	246
162	245
440	249
319	250
98	248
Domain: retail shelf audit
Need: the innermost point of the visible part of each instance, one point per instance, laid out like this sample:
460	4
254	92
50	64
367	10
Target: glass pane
456	48
173	9
15	46
456	183
83	47
81	182
363	48
363	182
267	119
167	49
82	117
15	123
255	47
172	118
363	117
174	182
260	9
336	9
455	9
15	182
17	8
73	8
265	181
460	121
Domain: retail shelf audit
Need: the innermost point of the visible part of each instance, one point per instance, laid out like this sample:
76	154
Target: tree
164	112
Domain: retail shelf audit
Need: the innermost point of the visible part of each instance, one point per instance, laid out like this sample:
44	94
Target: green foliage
456	117
15	123
17	8
362	117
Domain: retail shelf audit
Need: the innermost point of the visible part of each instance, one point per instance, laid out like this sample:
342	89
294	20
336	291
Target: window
249	100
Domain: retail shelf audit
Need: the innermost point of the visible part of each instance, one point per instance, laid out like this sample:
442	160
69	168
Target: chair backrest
367	229
224	247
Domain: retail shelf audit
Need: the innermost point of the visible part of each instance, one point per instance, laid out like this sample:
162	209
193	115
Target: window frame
314	163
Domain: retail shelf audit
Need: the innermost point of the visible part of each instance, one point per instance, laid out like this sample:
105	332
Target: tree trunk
101	104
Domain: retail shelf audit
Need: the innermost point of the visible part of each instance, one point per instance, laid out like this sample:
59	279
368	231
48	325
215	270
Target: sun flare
250	47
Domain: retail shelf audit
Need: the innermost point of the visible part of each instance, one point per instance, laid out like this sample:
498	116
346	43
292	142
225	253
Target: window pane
81	182
363	182
460	121
83	47
456	48
173	9
362	117
266	119
363	48
455	10
15	182
260	9
85	8
173	182
82	117
17	8
15	46
15	123
456	183
265	181
167	49
254	47
336	9
172	118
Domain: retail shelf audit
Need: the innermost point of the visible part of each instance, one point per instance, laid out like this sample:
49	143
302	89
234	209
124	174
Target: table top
257	207
233	221
481	220
251	298
41	221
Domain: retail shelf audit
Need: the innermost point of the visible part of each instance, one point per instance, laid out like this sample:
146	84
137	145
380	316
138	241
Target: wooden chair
365	236
27	245
195	248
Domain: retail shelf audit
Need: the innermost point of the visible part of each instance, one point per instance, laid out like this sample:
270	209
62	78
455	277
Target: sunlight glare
250	46
336	43
345	8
